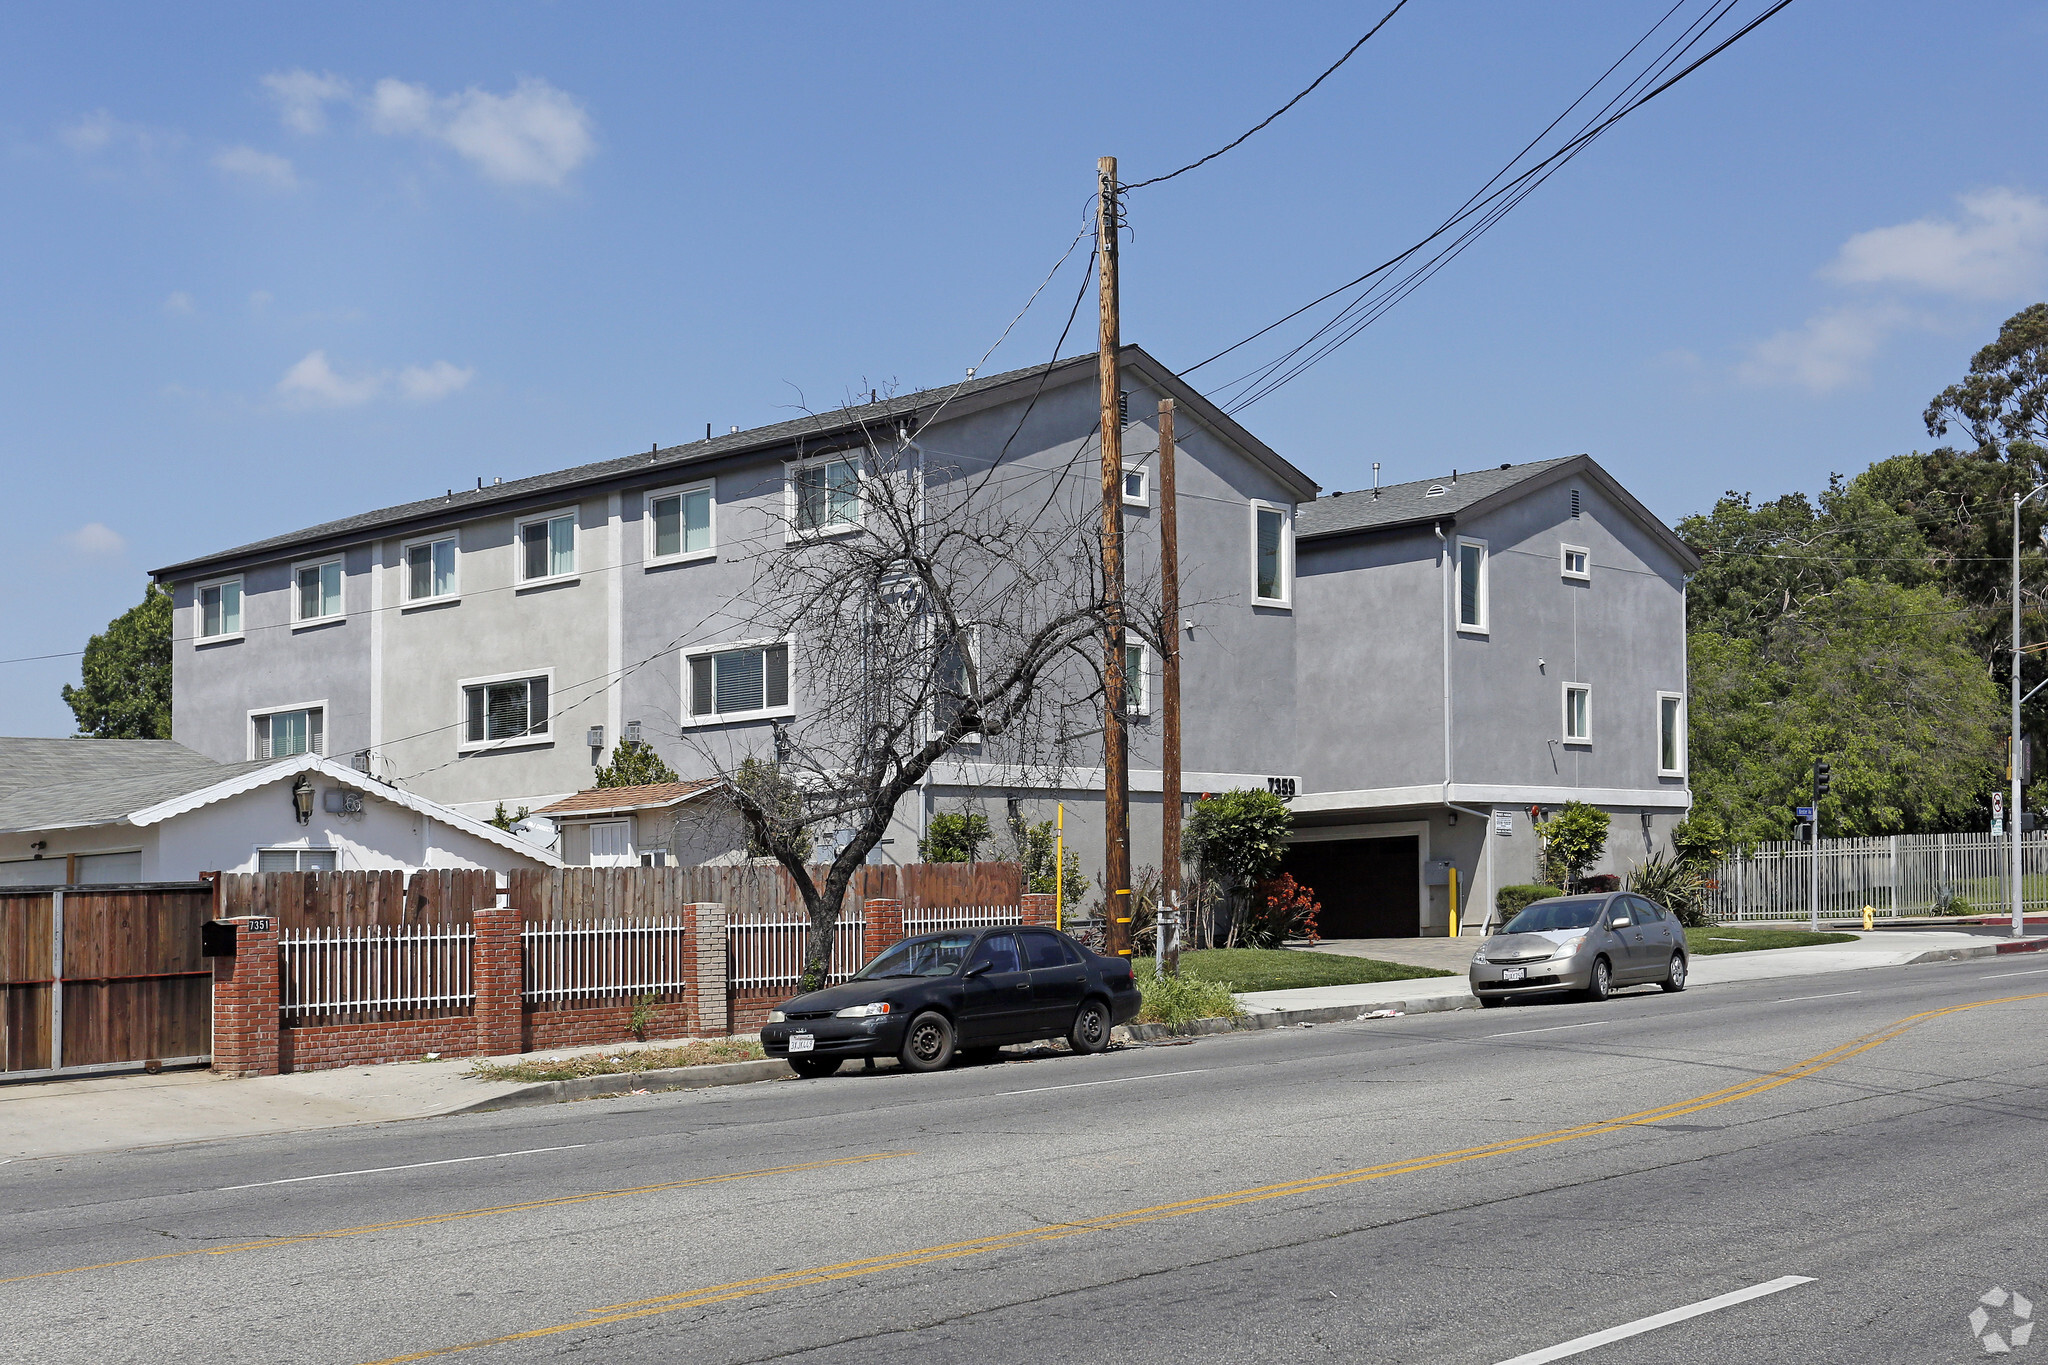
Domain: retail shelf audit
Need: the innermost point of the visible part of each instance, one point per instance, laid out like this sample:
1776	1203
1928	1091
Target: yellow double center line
844	1270
428	1220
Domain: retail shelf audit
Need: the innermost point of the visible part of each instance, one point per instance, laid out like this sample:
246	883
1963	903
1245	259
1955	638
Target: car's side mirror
1618	922
978	969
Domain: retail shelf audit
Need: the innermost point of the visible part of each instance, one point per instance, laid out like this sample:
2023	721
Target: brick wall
245	1001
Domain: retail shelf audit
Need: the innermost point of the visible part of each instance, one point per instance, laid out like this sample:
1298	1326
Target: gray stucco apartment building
1419	667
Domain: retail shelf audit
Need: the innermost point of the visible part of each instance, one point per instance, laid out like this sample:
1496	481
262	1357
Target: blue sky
268	266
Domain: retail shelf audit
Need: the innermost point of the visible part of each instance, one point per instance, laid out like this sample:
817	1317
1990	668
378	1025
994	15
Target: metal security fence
930	919
375	969
768	950
1897	875
605	959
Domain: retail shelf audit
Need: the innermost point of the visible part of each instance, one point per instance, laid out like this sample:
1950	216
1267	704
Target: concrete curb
2025	945
1268	1019
624	1083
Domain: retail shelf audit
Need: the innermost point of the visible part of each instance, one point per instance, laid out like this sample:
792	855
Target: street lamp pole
2014	824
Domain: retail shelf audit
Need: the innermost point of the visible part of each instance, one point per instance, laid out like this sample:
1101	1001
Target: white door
611	844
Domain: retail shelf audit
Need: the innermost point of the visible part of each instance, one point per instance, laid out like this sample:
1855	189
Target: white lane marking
1591	1023
379	1170
1114	1080
1829	996
1578	1345
1994	975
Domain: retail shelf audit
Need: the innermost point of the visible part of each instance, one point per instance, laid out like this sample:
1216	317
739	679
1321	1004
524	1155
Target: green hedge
1512	900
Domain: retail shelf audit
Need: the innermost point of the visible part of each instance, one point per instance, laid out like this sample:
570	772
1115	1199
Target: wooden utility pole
1169	687
1116	777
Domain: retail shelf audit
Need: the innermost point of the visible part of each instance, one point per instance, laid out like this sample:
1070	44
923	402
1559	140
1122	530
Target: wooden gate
99	978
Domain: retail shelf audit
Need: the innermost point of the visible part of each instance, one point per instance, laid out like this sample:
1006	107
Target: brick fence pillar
246	1003
1039	909
499	970
881	927
708	974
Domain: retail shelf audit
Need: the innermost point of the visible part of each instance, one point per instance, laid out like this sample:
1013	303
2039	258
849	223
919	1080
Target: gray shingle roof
64	783
1405	503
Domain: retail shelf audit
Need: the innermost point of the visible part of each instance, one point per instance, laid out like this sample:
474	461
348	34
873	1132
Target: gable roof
652	795
958	400
1470	494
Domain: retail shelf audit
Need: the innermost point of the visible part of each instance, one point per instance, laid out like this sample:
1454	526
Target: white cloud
302	97
96	538
267	169
430	383
179	304
536	135
314	383
100	131
1830	351
1997	249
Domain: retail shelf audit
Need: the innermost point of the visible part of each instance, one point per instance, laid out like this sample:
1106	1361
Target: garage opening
1369	888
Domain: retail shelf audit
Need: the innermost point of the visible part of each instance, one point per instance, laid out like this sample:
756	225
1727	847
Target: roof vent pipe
1375	480
1454	478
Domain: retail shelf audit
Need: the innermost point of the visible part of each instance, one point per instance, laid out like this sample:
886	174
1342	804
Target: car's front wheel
928	1042
1601	984
1090	1032
1674	979
812	1068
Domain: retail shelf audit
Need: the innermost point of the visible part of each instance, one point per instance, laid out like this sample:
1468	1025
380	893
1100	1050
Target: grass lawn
1727	939
1282	969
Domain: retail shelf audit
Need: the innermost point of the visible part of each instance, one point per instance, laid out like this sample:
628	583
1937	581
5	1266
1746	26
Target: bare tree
931	606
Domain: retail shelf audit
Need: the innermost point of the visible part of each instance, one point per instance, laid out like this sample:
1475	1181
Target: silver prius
1588	944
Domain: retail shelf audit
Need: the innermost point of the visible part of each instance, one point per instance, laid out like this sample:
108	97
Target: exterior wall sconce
302	799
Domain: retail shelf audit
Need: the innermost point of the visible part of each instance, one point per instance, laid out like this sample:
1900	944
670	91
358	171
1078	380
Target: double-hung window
220	609
430	570
316	591
499	709
679	524
1472	586
547	547
1137	679
281	734
739	683
1578	713
1670	734
824	496
1272	556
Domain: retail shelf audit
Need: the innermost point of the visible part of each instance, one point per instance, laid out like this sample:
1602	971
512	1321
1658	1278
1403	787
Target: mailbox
216	939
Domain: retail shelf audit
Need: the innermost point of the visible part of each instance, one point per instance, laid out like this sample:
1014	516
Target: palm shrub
1676	884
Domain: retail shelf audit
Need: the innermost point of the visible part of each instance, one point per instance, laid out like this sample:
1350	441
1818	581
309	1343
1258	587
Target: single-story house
675	824
100	811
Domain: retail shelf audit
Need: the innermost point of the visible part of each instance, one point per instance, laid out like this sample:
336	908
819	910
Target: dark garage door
1367	887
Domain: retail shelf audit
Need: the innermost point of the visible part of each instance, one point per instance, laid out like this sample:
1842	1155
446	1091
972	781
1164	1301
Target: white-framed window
1670	734
1472	594
744	681
430	570
1137	486
547	547
1575	561
951	692
316	591
508	710
824	495
679	524
218	606
297	859
282	731
1578	713
1272	555
1137	678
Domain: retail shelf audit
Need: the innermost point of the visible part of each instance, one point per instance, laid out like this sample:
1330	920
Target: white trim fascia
1476	794
348	777
648	558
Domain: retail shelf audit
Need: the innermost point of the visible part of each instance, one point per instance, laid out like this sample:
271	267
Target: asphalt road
1450	1187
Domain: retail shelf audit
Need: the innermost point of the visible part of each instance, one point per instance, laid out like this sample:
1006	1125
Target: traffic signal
1822	778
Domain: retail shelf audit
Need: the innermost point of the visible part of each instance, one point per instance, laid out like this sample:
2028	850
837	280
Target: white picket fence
370	969
1898	875
769	950
930	919
605	958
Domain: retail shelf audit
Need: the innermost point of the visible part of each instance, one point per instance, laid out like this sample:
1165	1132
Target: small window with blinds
679	525
316	592
739	684
547	547
497	711
824	496
281	734
296	859
430	570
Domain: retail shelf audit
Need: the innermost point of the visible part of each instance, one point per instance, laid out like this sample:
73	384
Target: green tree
2003	402
1037	850
953	838
778	804
504	821
1239	837
126	674
1573	840
635	764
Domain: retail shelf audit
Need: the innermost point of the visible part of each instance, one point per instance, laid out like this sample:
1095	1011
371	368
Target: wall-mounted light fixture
302	799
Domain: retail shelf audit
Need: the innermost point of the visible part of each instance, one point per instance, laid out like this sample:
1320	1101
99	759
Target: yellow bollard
1059	866
1454	902
1867	913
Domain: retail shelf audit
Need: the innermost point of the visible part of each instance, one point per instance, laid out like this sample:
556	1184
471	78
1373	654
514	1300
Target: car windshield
938	955
1571	914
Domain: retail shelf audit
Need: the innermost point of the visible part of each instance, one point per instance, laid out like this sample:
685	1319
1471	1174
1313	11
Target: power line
1228	146
31	658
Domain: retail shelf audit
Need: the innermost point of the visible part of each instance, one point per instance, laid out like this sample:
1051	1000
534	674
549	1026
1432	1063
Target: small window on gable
220	609
679	524
316	591
739	684
430	570
1574	561
547	547
1137	489
1472	602
281	734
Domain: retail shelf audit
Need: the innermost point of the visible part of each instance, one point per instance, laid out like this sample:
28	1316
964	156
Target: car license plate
801	1042
1506	974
